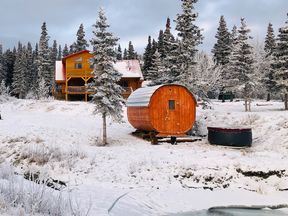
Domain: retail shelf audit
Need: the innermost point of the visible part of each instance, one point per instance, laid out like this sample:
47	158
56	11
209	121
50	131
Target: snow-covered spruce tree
107	99
44	61
119	53
65	51
125	54
157	71
131	54
270	41
269	47
9	61
242	78
190	37
280	64
170	55
20	82
147	57
31	70
222	48
59	54
81	43
160	43
154	47
53	58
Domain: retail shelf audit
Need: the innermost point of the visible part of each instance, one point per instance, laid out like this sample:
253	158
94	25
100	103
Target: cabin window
78	66
171	104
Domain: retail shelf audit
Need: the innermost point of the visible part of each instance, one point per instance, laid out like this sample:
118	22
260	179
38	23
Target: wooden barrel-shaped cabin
169	110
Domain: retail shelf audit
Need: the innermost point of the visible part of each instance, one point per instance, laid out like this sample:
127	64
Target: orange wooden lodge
169	110
74	72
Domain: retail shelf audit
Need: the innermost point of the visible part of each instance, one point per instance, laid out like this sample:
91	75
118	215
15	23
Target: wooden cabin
74	72
169	110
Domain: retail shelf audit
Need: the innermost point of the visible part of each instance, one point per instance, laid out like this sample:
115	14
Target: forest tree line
234	65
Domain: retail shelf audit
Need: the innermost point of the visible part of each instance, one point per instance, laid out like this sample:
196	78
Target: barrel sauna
169	110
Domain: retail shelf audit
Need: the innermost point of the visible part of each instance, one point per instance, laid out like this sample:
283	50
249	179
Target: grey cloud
129	19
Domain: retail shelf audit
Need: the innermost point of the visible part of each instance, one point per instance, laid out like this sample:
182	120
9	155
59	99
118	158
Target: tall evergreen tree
170	56
241	66
131	52
31	70
119	53
65	51
81	43
19	85
125	54
157	70
270	41
154	47
160	43
222	47
168	39
59	55
280	64
269	47
44	60
107	99
9	61
147	57
190	37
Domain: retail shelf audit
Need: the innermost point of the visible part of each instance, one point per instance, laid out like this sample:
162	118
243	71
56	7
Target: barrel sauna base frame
153	137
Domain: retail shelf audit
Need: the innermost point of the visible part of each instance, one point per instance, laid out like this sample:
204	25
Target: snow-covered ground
59	139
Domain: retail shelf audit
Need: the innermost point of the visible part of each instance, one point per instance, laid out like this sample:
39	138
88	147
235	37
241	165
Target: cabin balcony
79	73
79	90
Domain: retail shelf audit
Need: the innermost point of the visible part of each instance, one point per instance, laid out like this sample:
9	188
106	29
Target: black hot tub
236	137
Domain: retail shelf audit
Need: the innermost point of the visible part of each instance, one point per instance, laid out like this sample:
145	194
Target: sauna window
78	66
171	104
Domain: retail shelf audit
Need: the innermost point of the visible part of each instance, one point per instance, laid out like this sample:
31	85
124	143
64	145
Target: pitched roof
129	68
74	54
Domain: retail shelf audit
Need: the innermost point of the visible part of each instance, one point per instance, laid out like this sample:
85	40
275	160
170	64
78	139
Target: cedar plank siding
158	117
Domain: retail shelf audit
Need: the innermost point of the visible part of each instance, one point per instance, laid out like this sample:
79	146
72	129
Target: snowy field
132	177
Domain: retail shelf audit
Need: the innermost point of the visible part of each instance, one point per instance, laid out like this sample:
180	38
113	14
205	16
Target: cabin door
172	117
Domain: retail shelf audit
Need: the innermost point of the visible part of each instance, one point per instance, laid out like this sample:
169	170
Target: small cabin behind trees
169	110
74	72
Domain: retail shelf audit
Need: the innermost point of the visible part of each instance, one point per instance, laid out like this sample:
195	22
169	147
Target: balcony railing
79	73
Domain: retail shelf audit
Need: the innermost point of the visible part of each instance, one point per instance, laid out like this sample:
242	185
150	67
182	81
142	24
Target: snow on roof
141	97
59	73
129	68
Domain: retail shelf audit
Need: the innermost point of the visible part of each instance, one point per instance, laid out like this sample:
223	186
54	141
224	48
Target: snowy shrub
31	95
4	92
21	197
249	119
41	154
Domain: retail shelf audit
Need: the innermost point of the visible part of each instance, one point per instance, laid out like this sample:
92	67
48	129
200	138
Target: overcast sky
133	20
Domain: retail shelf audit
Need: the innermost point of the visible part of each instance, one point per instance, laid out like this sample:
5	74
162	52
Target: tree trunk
246	104
249	105
286	101
104	141
268	97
